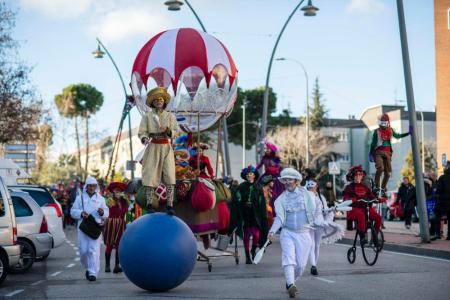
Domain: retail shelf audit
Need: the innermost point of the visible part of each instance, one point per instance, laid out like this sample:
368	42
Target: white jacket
280	210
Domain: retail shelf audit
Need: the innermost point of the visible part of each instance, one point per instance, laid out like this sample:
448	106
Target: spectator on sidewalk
443	202
407	195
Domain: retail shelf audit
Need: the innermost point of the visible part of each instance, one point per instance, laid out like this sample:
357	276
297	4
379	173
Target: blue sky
353	47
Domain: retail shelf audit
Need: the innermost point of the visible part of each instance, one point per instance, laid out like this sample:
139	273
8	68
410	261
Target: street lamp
243	133
98	53
307	104
175	5
309	11
420	189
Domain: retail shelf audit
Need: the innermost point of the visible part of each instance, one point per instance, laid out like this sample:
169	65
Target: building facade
442	46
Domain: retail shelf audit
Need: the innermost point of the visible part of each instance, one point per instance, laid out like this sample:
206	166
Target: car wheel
27	258
3	267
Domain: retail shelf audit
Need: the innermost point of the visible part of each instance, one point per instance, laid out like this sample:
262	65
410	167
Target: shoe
292	290
383	193
382	226
287	286
170	211
87	275
408	226
253	252
314	271
117	269
248	261
362	238
107	263
92	278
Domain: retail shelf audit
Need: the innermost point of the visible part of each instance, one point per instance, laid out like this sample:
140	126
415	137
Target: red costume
355	191
206	171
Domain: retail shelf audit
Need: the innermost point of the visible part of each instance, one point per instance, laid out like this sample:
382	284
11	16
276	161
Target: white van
9	249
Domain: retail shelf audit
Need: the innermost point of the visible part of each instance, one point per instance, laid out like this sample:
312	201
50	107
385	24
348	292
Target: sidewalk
399	239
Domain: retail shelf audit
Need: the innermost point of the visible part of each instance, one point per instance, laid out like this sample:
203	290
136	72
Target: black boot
170	211
314	271
248	261
117	268
107	262
253	252
362	238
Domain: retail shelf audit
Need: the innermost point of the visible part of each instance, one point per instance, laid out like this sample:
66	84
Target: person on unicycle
355	191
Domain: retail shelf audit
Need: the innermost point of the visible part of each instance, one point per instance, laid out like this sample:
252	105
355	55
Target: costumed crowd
178	178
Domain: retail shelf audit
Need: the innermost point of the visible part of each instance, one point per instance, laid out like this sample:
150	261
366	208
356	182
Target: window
344	157
21	208
2	205
41	197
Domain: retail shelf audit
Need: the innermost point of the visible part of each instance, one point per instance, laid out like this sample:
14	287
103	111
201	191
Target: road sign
20	147
20	155
334	168
444	159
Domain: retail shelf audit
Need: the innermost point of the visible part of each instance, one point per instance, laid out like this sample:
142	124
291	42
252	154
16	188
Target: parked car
32	231
395	210
51	208
9	249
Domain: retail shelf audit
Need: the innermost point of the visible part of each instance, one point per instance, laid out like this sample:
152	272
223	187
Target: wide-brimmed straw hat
158	92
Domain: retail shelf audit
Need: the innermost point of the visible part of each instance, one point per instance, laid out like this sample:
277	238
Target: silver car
32	231
9	250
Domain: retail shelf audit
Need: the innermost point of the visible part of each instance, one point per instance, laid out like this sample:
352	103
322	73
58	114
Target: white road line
56	273
323	279
70	265
77	259
75	248
404	254
78	253
37	282
14	293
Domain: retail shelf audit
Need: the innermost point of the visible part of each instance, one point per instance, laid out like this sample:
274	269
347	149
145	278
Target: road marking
70	265
14	293
75	248
37	282
404	254
323	279
56	273
77	259
78	253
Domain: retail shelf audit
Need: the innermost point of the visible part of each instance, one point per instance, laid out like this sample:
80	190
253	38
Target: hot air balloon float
198	72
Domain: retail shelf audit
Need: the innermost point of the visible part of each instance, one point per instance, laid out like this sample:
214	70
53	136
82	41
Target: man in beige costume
157	128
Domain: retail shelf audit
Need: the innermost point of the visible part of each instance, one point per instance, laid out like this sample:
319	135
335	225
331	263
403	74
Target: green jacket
377	143
254	194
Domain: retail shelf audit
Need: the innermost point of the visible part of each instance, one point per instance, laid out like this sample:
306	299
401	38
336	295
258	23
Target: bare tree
292	141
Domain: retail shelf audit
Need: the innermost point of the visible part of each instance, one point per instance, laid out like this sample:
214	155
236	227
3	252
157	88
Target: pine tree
317	112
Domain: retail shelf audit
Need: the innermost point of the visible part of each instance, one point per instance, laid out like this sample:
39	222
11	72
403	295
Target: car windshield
41	197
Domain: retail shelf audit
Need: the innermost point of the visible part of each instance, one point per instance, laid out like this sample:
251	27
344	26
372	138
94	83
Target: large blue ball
158	252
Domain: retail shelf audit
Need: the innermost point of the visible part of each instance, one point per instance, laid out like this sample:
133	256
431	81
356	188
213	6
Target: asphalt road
395	275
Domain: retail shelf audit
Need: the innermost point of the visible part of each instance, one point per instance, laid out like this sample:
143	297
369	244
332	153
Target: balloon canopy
198	68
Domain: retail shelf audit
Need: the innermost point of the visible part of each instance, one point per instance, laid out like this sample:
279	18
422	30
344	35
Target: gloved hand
410	131
371	158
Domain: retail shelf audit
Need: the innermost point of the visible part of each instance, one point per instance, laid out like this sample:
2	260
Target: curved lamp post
175	5
307	104
98	53
309	11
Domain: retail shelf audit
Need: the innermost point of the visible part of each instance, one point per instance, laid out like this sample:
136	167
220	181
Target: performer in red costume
354	191
206	170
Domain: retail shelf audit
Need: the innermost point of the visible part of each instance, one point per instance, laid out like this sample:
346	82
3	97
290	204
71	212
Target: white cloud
365	6
58	8
121	24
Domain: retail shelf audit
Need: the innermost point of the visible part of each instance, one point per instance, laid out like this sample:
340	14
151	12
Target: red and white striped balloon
200	70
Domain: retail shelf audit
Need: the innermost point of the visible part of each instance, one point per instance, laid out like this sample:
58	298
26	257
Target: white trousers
89	253
316	237
295	248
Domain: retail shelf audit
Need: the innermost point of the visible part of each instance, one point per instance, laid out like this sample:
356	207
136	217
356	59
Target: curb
407	249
